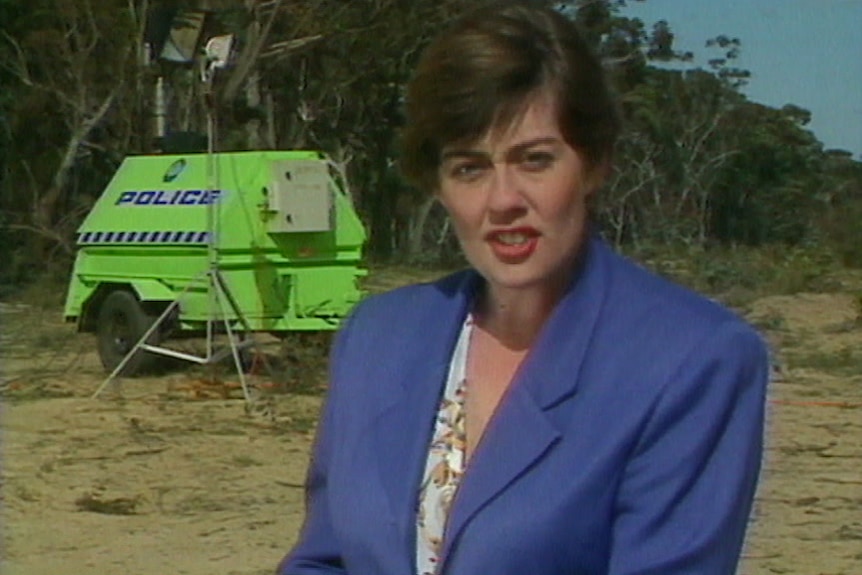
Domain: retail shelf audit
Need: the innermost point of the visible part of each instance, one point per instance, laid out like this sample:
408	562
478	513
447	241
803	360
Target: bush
737	274
843	229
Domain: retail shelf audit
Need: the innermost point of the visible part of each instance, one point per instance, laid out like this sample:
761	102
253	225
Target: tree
769	189
68	71
675	146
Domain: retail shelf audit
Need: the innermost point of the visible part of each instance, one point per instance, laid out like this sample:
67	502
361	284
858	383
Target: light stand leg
221	295
241	318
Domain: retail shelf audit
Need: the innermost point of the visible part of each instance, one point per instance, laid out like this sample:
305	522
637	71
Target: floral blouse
445	464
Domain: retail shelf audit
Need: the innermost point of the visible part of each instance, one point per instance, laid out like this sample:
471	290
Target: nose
505	194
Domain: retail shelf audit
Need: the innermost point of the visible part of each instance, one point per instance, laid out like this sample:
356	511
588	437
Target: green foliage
777	164
844	232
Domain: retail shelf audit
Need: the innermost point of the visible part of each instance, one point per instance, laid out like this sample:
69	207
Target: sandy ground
173	475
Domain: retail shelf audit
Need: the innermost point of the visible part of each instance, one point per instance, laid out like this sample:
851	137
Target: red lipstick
513	245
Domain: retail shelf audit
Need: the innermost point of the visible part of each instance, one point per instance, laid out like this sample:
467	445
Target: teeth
512	238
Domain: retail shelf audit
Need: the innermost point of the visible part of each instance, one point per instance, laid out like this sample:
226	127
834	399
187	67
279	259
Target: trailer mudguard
152	290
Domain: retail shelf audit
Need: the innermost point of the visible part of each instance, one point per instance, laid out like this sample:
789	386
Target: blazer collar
550	371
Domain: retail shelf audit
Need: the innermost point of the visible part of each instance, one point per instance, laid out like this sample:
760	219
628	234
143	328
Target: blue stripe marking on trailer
192	237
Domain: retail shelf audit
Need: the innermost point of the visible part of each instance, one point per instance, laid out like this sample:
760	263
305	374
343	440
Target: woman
555	409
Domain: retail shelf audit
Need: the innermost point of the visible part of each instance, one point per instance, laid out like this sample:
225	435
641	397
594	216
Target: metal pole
212	249
161	110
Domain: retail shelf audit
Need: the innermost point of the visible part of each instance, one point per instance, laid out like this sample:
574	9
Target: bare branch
94	28
612	62
21	71
249	57
78	137
281	49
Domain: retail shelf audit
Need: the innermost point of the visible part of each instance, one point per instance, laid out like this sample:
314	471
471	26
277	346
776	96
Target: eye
466	170
537	160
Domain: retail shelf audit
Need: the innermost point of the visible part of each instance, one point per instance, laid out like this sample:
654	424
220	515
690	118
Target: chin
520	276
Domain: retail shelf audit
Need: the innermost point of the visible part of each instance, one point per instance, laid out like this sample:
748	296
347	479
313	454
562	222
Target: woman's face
517	200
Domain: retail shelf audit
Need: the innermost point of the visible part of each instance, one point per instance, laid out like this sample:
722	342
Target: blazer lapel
521	431
516	438
552	369
403	425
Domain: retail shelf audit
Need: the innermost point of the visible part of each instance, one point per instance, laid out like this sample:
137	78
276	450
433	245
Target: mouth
512	237
512	245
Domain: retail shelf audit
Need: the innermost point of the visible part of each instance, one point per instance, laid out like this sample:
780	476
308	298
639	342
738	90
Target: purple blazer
629	442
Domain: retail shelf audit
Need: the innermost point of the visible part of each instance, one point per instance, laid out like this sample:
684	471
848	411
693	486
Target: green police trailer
277	225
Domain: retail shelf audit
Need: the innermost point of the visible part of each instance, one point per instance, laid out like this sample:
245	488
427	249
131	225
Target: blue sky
803	52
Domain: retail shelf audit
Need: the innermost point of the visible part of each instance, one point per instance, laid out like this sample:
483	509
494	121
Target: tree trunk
45	207
416	229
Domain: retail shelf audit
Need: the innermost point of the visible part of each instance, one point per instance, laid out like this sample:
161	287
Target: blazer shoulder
656	335
664	311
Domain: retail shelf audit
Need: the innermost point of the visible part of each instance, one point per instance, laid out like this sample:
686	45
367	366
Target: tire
121	323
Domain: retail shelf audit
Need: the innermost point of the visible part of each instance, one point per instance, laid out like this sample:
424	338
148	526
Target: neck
515	317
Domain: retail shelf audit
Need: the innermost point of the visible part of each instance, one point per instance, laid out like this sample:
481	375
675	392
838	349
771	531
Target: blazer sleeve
687	489
316	551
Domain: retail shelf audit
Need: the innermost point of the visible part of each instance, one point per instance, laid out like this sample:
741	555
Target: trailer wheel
121	323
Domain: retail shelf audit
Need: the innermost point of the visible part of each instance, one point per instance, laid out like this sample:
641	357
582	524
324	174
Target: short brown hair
481	72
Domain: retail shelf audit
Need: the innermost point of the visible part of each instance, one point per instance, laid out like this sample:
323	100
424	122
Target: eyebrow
514	150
